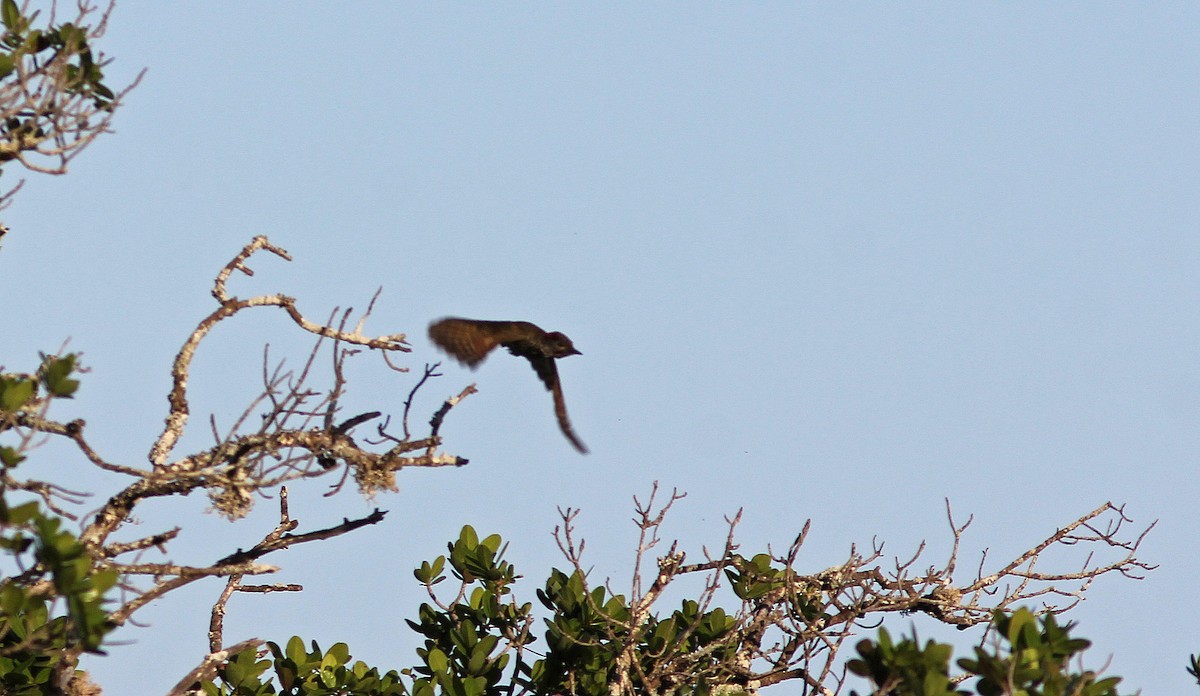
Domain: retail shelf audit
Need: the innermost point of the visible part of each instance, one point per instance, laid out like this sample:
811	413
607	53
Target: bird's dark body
470	341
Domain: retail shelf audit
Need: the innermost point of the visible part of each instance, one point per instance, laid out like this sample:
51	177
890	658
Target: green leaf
335	657
9	457
936	683
474	686
21	514
10	15
73	38
295	650
492	542
55	374
430	573
15	392
12	600
438	662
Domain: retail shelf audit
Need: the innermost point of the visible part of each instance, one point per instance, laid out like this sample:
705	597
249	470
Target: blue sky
837	262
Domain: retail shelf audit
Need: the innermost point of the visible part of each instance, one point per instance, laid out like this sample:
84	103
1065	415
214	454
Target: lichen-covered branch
177	416
291	431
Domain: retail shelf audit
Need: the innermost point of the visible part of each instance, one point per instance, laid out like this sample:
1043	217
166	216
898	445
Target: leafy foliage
301	672
21	395
1032	657
471	642
56	605
26	46
54	100
462	653
55	374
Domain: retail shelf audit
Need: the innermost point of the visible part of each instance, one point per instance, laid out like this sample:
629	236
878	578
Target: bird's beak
575	351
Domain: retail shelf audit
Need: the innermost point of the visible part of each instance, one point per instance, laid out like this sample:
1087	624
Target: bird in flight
470	341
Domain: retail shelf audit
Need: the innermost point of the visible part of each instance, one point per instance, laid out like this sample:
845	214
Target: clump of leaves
1031	656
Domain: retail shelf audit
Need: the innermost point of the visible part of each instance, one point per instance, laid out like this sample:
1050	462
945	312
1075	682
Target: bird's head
560	346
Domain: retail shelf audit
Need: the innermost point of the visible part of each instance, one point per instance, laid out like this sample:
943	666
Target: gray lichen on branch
292	431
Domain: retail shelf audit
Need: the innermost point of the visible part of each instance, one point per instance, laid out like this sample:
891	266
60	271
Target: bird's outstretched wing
470	340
